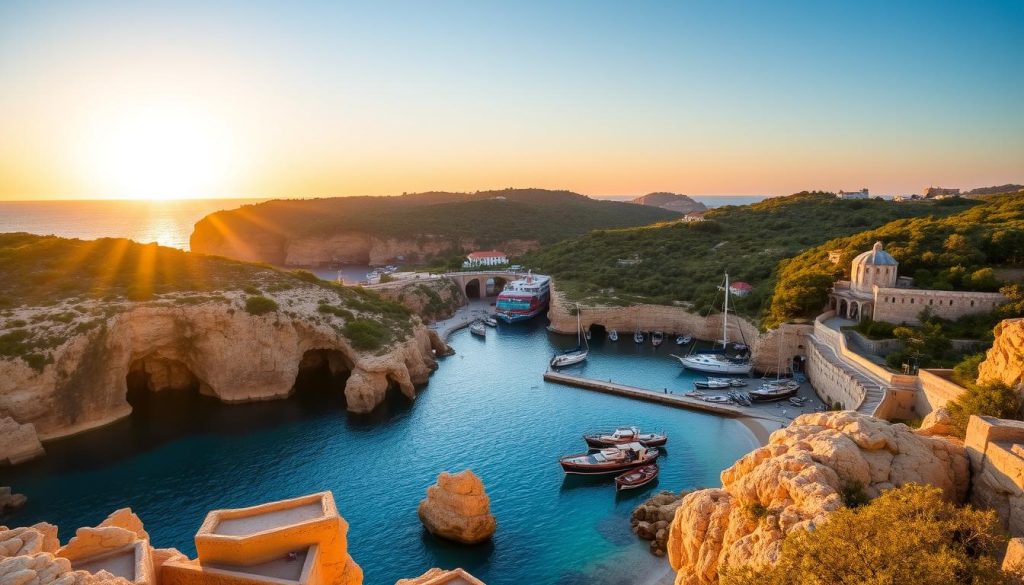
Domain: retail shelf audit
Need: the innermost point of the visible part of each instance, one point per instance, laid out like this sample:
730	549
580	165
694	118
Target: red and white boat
636	478
624	435
524	298
610	460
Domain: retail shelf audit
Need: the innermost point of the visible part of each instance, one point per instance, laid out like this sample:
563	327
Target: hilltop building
876	291
862	194
486	258
740	288
940	192
693	216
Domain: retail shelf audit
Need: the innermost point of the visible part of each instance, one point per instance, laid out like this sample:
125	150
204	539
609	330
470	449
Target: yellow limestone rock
457	508
937	423
1004	362
18	442
437	576
795	481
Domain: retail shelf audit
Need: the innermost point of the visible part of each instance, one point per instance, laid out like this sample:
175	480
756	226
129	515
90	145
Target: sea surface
168	223
486	408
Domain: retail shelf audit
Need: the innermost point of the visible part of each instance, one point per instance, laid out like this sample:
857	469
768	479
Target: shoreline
760	428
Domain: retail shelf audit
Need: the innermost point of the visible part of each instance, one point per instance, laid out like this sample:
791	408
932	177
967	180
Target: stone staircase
874	387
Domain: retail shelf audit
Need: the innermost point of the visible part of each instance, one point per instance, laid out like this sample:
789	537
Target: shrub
908	535
992	399
853	494
366	334
307	276
259	305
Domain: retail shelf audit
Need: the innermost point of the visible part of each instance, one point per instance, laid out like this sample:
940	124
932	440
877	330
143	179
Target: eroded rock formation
795	481
1004	362
18	442
432	300
651	520
211	344
457	508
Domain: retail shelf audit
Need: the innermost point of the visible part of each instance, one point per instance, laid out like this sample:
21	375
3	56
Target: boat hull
604	468
636	478
789	393
714	366
561	361
599	443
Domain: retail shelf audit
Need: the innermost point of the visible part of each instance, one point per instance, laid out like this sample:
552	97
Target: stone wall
935	390
778	347
899	305
831	382
995	448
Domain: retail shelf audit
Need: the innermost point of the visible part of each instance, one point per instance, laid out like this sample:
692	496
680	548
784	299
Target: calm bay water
486	408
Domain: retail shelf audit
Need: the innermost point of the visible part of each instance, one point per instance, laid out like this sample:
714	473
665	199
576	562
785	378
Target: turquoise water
486	408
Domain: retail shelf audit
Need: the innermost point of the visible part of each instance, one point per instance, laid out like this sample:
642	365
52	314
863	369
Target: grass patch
259	305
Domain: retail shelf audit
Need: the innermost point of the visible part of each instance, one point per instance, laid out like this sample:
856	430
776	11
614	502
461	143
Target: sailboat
717	363
638	337
578	353
613	335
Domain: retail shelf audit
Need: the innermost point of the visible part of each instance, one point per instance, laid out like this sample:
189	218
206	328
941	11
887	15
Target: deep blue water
486	408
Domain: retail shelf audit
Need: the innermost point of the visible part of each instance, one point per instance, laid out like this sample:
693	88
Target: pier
675	400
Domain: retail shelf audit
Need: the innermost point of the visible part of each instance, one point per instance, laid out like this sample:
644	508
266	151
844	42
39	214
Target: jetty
676	400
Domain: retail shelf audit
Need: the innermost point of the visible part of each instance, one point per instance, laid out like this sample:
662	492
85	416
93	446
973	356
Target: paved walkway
476	309
874	387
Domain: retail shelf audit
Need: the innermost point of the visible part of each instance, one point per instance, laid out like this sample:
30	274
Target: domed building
876	291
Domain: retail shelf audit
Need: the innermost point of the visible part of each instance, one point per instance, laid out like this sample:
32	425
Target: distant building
486	258
862	194
693	216
740	288
875	291
940	192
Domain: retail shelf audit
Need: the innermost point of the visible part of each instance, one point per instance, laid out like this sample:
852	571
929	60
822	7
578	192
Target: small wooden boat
712	384
613	335
477	328
624	435
656	338
773	393
609	460
490	322
636	478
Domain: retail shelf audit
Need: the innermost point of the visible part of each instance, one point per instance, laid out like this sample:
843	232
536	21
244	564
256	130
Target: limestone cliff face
346	247
213	345
1004	362
795	481
432	300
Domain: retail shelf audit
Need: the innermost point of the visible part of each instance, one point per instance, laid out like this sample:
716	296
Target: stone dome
875	257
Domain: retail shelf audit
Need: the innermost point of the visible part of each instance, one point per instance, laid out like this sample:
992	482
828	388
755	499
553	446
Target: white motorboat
683	339
613	335
477	328
490	322
638	337
717	399
656	338
576	354
712	384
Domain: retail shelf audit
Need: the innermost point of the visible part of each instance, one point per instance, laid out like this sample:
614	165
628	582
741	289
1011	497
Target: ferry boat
524	298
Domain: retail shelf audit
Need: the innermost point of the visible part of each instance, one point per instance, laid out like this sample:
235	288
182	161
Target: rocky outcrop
794	482
10	501
209	344
651	520
1004	362
433	300
671	202
18	442
457	508
437	576
937	423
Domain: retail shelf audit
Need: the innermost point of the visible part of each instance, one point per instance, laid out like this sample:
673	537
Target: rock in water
10	501
457	508
650	520
18	442
796	481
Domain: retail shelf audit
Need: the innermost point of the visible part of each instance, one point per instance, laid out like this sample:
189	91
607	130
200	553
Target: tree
907	535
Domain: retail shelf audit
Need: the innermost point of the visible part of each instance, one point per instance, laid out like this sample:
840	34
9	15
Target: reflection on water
486	408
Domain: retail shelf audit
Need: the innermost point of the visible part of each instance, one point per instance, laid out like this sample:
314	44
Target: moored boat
490	322
683	339
609	460
578	353
624	435
656	338
524	299
712	384
767	393
638	337
477	328
717	399
737	382
636	478
613	335
717	363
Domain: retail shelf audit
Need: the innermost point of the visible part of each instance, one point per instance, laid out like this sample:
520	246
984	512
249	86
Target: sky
308	99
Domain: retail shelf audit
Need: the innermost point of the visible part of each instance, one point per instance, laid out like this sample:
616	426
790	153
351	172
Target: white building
486	258
862	194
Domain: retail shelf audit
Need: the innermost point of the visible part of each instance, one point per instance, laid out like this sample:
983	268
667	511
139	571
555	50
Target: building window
929	301
972	303
911	301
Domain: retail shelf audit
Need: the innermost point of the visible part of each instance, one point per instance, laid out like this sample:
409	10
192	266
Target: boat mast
578	327
725	314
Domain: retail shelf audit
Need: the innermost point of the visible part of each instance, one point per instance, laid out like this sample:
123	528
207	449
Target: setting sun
158	151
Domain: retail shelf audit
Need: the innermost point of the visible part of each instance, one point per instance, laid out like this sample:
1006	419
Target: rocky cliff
1004	362
220	344
432	300
671	202
805	472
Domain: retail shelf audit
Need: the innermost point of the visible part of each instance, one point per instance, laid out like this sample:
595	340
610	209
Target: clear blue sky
303	99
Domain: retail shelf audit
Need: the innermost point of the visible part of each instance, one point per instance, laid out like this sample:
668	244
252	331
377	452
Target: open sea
486	408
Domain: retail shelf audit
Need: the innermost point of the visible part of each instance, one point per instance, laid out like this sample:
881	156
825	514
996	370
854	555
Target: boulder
10	501
18	442
457	508
937	423
1004	361
796	481
650	520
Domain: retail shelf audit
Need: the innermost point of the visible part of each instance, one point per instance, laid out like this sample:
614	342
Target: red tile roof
486	254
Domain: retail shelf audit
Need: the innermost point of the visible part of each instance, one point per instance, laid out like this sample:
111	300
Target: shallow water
486	408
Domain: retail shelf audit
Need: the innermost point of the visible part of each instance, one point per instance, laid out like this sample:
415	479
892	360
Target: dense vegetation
486	218
948	251
906	535
685	261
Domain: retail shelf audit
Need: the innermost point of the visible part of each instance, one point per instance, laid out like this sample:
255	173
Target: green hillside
486	218
683	262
